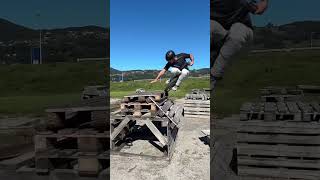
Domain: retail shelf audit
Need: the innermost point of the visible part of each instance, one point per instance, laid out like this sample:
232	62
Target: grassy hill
250	73
28	89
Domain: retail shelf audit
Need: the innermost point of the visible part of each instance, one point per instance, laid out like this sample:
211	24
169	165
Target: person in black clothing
231	30
177	65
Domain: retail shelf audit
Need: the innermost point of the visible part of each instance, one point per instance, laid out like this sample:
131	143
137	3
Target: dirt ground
191	158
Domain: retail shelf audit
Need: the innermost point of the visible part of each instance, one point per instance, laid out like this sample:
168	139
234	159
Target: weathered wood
278	139
196	109
119	128
157	133
279	150
282	127
194	116
279	162
196	102
279	173
18	161
166	107
196	113
157	96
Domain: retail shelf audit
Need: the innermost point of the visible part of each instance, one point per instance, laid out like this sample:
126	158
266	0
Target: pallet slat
279	150
279	173
279	139
278	162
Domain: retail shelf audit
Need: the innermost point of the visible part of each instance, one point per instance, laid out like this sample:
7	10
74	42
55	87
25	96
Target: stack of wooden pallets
75	139
279	94
197	104
279	140
153	110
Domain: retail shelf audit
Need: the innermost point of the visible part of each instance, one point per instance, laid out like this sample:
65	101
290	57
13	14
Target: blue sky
286	11
143	30
56	13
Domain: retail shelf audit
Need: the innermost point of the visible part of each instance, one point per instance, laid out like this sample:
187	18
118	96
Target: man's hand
192	60
154	81
261	7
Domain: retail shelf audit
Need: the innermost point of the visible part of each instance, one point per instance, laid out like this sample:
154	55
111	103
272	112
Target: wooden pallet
138	109
143	96
86	164
198	94
197	108
87	112
309	88
87	147
294	111
279	149
281	91
123	126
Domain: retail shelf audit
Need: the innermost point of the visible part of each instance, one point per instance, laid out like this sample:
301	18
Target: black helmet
169	55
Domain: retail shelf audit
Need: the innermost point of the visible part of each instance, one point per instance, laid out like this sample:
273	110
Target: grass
35	105
251	73
120	89
29	89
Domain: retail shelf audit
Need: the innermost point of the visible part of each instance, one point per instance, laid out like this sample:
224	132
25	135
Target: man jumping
231	30
179	66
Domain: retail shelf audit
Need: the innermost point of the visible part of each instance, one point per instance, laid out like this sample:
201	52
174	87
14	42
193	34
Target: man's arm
161	73
192	60
262	7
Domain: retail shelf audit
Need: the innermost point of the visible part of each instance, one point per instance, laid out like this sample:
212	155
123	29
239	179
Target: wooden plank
246	106
280	173
315	106
279	139
293	107
197	102
197	105
157	133
77	109
163	111
282	107
283	127
75	135
196	112
309	87
18	161
197	116
279	162
270	107
197	109
279	150
119	128
306	108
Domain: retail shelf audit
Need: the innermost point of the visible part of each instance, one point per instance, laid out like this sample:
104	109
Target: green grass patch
36	105
249	74
29	89
120	89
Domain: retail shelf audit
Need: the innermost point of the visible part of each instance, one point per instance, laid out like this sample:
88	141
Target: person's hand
261	7
154	81
191	63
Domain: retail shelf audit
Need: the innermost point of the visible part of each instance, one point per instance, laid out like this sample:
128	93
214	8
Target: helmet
169	55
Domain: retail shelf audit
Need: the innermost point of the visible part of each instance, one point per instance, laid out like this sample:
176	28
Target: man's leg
238	36
218	34
175	72
183	75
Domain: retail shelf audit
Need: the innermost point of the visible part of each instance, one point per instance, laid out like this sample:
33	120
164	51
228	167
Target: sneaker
168	81
174	88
